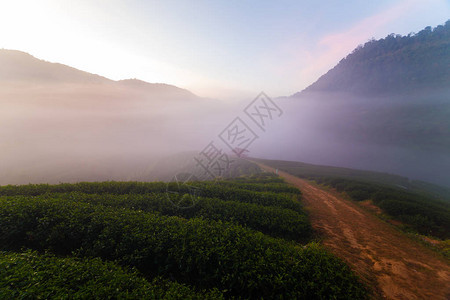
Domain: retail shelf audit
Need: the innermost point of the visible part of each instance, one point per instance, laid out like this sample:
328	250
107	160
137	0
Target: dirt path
398	267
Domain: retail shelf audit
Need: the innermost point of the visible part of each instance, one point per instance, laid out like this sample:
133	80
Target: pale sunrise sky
219	49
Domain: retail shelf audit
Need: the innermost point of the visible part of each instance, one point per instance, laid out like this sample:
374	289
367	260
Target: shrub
29	275
202	253
274	221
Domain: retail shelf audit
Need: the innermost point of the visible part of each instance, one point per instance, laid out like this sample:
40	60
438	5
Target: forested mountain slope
395	64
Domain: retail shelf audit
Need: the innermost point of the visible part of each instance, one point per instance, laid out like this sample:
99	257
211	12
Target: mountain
393	65
21	67
385	107
60	124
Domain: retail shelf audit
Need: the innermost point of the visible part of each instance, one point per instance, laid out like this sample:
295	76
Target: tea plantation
243	238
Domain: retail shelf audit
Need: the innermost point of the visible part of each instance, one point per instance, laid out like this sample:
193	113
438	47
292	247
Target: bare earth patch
385	258
370	206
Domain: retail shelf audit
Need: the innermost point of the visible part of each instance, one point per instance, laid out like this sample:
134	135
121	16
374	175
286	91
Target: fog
405	135
58	124
74	132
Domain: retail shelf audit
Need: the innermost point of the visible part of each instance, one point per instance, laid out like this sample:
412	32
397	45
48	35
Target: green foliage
259	178
241	167
314	172
310	171
198	252
271	220
135	225
393	64
445	248
29	275
210	190
276	187
287	201
111	187
271	207
422	206
425	214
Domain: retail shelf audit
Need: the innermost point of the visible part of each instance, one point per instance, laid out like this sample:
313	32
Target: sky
218	49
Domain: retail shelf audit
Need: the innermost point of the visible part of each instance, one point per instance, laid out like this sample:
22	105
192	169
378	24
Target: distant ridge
18	66
155	87
21	66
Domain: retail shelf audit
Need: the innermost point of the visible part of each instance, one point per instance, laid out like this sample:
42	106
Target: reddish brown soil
396	266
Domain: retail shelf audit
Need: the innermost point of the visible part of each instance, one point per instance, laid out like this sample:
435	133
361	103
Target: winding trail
385	258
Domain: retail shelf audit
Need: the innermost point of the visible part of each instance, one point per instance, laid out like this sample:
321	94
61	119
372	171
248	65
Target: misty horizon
99	129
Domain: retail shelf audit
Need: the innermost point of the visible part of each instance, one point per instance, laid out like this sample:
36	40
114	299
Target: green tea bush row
108	187
29	275
263	177
209	190
282	200
274	221
259	187
202	253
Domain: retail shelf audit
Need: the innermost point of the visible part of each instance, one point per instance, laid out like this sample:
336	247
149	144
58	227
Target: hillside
395	64
385	107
